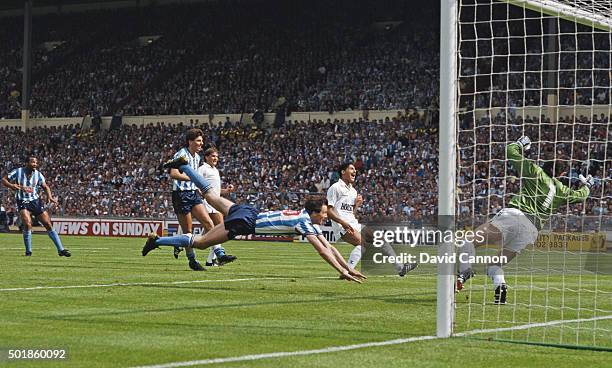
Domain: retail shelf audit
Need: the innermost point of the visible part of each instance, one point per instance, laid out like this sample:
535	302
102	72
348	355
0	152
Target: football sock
219	252
190	253
175	241
211	254
354	257
56	240
388	250
27	240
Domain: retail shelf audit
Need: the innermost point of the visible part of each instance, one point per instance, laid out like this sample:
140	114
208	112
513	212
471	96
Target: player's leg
26	228
217	235
353	239
186	222
205	219
368	238
241	220
221	204
216	218
522	234
487	233
44	219
496	272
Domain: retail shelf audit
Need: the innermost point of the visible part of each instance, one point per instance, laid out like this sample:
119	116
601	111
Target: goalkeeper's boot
195	265
462	277
500	294
64	253
177	251
226	258
150	244
175	163
407	267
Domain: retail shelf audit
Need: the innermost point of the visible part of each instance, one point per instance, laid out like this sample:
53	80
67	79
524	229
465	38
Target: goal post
447	160
542	69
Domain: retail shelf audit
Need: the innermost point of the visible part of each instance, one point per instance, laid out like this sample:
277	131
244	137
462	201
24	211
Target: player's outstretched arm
514	152
340	259
330	258
575	196
333	214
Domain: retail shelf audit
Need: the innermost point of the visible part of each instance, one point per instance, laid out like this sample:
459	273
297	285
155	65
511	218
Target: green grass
291	302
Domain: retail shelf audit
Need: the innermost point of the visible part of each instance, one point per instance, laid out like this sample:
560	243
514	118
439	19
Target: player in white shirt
343	203
186	198
210	172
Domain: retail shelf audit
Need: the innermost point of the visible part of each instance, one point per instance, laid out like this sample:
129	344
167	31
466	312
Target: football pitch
278	305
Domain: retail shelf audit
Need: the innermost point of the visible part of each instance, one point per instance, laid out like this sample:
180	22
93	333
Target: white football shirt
342	197
211	174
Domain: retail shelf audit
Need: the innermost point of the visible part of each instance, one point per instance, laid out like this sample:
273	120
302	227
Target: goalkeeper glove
525	142
588	180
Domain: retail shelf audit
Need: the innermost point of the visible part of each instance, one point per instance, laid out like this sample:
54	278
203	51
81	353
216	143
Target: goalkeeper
517	226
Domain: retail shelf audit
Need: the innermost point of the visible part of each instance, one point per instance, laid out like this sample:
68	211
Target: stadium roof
18	4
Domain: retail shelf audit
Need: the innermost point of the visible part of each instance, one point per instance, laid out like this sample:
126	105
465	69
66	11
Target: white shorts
209	208
517	230
339	230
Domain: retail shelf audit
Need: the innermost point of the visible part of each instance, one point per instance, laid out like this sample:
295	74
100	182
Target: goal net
540	69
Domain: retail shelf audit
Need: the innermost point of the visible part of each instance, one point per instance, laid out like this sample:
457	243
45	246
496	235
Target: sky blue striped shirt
285	222
30	184
194	162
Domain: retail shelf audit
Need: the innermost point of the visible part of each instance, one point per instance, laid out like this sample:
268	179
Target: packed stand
229	57
117	172
521	61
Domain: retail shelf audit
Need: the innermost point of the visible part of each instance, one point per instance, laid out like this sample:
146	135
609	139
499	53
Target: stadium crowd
314	56
117	172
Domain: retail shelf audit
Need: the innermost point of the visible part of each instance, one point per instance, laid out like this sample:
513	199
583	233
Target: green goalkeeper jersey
540	195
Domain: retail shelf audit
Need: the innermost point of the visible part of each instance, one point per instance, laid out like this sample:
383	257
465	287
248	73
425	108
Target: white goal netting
540	69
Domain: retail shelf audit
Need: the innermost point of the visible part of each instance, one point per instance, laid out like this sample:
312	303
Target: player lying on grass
245	220
517	226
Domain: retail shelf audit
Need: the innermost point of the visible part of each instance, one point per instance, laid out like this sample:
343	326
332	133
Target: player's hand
53	200
525	142
349	229
358	200
588	180
357	274
16	187
347	276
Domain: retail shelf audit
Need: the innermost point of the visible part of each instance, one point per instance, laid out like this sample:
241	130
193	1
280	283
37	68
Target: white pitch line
531	325
290	353
333	349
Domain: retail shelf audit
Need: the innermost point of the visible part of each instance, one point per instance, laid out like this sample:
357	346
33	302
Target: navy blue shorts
35	207
240	220
184	201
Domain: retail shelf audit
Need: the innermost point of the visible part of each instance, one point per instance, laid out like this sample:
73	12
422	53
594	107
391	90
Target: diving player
245	220
517	226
